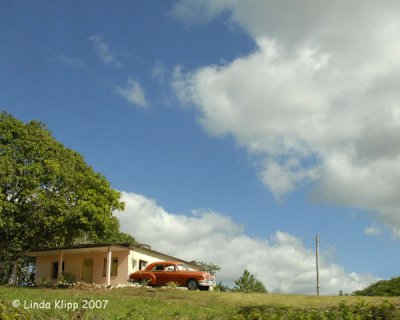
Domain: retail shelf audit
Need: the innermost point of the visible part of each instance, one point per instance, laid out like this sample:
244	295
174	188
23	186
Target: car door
159	273
170	274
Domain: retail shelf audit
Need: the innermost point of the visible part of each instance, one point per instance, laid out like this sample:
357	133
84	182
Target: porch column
108	270
60	259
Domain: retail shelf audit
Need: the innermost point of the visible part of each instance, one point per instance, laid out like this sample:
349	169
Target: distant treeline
381	288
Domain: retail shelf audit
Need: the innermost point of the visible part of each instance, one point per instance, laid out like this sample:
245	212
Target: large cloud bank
318	100
282	262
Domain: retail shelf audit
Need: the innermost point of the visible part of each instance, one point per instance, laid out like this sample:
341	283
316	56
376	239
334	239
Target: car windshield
182	267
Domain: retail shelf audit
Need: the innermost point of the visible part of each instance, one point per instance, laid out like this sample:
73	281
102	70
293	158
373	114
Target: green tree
49	196
248	283
113	235
210	267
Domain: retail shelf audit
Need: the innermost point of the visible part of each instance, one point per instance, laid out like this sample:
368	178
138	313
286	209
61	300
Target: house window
54	269
114	267
142	264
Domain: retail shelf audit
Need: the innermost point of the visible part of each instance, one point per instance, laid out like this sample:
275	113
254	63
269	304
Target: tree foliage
248	283
210	267
49	196
381	288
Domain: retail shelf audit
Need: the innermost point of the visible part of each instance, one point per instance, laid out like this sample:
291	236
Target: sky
235	130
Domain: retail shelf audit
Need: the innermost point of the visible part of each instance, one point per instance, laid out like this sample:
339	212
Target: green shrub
45	282
66	281
68	277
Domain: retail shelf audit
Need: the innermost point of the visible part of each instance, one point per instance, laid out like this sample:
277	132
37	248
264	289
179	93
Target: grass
145	303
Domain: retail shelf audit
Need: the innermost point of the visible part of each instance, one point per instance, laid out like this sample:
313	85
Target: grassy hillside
142	303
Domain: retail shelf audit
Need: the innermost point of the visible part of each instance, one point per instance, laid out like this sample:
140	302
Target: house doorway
87	270
54	269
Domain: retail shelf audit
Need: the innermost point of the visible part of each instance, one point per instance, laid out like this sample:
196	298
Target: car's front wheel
192	284
204	288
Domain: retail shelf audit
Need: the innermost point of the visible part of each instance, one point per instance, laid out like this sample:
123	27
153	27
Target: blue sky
260	115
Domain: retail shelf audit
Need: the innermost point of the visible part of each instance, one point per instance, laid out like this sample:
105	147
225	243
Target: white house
97	263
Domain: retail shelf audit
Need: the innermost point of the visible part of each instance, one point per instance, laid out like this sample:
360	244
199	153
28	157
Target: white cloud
318	100
158	73
372	231
134	93
201	11
103	51
283	263
75	63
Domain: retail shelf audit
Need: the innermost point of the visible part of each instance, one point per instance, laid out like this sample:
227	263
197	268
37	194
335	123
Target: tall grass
148	303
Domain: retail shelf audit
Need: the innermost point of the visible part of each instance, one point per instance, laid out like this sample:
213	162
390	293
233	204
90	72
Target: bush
53	283
68	277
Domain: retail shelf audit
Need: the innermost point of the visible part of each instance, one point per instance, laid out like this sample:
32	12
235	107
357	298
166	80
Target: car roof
167	262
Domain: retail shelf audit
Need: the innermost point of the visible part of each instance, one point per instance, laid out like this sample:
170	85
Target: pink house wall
73	264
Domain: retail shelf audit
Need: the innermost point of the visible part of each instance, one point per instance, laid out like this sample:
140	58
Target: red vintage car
161	273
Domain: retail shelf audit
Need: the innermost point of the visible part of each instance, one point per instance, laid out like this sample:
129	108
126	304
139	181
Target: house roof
83	246
79	248
103	247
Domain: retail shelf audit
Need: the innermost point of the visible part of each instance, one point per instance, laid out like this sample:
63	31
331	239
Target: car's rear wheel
192	284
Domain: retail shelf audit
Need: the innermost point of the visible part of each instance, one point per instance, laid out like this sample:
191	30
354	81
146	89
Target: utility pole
317	260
